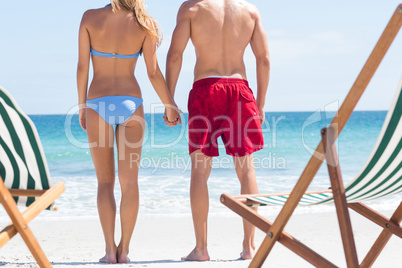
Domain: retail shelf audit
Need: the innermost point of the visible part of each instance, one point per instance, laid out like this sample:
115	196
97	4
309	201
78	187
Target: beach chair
381	176
24	175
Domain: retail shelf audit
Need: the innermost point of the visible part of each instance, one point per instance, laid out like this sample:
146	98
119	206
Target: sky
317	50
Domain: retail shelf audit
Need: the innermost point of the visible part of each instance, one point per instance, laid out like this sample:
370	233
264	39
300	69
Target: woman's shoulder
92	14
93	11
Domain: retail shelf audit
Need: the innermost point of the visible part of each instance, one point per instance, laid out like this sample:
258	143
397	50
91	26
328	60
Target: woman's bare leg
100	134
129	137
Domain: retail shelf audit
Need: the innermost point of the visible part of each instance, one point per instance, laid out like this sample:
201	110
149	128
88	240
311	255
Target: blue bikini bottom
115	109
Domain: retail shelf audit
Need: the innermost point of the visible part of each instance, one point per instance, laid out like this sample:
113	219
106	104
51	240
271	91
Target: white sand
161	243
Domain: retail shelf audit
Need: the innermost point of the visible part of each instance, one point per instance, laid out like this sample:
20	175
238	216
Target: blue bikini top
114	55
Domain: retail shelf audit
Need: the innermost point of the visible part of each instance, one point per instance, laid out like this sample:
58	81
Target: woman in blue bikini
115	36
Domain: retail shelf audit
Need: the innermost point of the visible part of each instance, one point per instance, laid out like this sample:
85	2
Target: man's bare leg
246	173
200	170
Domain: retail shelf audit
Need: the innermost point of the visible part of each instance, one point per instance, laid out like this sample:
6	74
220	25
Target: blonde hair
146	21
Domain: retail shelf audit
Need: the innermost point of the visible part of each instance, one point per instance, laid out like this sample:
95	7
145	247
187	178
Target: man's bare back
220	32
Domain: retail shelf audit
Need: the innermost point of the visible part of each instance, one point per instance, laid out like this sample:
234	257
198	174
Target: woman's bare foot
108	259
110	256
197	255
122	257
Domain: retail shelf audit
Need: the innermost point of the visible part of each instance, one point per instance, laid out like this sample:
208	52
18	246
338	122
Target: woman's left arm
156	78
84	45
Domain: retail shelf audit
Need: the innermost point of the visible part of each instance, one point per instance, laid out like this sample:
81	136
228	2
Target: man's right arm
180	38
259	45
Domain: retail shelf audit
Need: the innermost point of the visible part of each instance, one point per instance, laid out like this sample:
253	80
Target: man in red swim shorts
221	104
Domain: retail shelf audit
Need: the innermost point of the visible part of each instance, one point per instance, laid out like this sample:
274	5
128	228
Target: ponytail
145	21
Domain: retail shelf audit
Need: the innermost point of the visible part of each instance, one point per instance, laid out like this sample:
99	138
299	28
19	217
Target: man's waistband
208	81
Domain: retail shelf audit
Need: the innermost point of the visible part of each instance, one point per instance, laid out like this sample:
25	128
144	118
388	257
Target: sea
164	177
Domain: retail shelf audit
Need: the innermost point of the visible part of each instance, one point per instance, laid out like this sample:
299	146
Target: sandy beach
160	242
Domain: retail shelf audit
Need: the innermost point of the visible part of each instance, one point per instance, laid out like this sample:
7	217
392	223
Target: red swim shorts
226	108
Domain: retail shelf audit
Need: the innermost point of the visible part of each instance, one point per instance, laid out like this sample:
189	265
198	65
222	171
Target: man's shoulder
190	7
251	8
189	4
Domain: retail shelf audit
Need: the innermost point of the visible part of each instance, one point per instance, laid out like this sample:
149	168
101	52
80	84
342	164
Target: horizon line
265	112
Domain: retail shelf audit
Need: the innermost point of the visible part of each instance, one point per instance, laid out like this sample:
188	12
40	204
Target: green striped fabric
22	161
381	175
307	199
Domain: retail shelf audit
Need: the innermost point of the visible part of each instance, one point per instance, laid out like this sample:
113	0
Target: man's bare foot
197	255
108	259
247	254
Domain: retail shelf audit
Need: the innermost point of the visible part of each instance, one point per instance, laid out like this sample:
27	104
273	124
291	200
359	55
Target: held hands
172	116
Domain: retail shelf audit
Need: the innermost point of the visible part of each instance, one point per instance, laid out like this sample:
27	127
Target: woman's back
114	32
